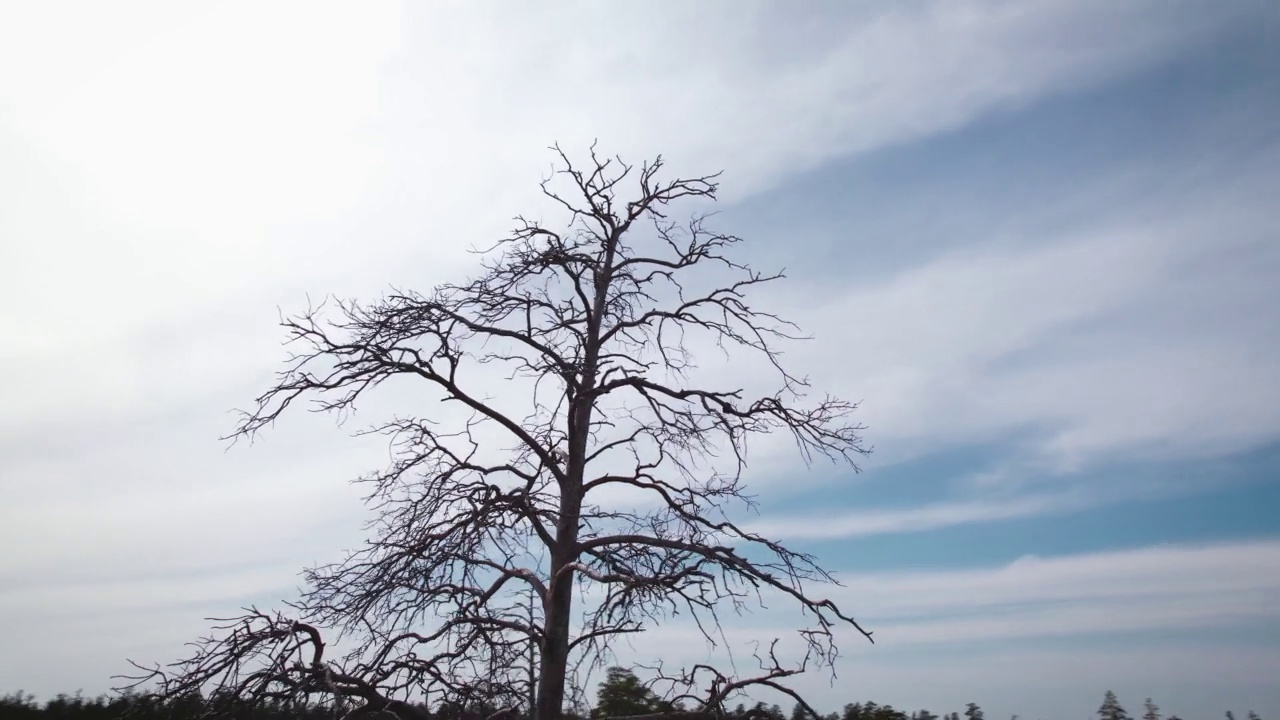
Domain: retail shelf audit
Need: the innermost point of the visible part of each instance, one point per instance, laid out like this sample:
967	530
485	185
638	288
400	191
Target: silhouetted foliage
622	694
1111	709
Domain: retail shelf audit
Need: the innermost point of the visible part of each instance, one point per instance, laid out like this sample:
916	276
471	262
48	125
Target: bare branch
465	592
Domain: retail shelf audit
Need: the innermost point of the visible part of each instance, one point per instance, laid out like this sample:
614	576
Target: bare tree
597	327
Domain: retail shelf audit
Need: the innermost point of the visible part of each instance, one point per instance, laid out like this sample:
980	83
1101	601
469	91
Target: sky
1034	240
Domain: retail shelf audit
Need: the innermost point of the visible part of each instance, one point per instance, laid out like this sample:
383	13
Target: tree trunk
559	605
554	663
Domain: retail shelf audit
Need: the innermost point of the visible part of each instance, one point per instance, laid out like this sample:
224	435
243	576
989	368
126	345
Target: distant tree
973	712
599	325
19	699
621	694
798	712
924	715
760	711
1230	715
1152	712
852	711
1253	716
1111	709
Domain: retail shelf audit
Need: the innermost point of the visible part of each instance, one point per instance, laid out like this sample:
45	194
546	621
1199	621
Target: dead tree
598	326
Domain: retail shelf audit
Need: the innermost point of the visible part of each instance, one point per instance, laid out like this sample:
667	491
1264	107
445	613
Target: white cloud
961	628
109	598
919	518
949	625
1175	587
1220	574
1120	336
205	173
1190	679
1037	637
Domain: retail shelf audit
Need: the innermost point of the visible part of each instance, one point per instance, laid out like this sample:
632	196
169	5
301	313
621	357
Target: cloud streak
1119	338
920	518
1011	621
1162	587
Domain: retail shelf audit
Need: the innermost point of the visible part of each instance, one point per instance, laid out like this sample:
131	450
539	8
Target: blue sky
1037	241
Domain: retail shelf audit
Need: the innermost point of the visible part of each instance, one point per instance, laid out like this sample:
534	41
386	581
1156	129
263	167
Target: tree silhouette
622	694
597	327
1111	709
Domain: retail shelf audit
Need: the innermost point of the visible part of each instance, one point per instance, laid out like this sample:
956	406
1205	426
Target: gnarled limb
465	592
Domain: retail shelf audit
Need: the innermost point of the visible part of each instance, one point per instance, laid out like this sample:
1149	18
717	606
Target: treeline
20	706
622	693
629	698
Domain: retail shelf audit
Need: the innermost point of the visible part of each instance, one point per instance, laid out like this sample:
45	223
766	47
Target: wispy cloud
1165	587
1055	631
919	518
1217	575
1117	337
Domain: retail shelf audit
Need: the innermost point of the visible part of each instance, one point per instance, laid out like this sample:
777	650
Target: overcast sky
1036	240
